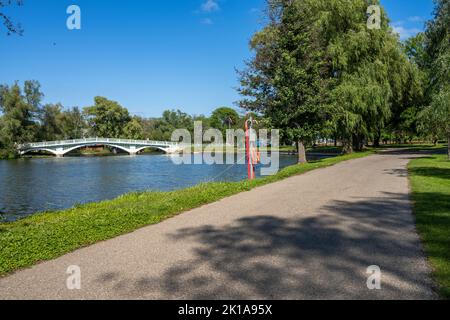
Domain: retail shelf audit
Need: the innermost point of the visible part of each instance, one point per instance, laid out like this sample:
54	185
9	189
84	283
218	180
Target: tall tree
50	116
416	50
435	119
438	47
20	109
411	96
72	124
288	78
224	118
107	118
376	82
133	130
171	120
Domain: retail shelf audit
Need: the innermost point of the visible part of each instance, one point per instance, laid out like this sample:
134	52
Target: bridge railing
95	140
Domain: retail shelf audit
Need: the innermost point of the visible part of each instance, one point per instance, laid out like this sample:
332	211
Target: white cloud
416	19
207	21
404	32
210	6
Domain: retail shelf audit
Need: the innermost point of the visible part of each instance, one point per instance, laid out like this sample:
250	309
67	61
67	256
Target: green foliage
19	108
50	117
49	235
438	47
171	120
434	121
415	49
430	52
107	118
288	79
133	130
224	118
375	80
72	124
408	124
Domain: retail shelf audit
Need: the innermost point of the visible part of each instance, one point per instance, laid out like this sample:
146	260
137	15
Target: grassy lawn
430	182
49	235
414	147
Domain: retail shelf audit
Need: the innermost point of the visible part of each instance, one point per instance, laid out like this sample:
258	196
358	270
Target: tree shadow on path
324	255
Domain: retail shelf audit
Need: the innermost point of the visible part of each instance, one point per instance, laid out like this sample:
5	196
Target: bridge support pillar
59	152
132	151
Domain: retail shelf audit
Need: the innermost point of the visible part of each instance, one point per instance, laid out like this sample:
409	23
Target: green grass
414	147
48	235
430	183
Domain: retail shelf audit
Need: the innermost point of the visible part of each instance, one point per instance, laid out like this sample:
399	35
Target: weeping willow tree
375	79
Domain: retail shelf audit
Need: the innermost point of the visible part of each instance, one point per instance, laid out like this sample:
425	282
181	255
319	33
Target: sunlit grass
430	183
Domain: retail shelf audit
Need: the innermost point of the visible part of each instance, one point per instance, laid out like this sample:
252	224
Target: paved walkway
307	237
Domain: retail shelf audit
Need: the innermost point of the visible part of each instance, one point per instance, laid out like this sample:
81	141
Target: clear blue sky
149	55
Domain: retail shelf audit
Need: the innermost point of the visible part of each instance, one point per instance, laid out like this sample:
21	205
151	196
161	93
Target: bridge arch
66	151
96	144
40	149
61	148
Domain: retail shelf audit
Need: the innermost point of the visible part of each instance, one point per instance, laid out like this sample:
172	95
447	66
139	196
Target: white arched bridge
61	148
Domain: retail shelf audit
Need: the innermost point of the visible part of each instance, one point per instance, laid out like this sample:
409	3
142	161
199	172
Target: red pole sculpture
251	149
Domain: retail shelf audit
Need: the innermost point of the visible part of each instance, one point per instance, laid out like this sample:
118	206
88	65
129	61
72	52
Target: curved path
308	237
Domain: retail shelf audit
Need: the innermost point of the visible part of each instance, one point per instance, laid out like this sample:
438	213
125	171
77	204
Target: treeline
320	70
24	119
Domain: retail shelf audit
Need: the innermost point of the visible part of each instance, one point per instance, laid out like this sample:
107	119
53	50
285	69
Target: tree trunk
301	152
358	143
347	147
376	142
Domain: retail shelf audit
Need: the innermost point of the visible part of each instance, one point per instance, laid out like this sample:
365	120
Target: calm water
28	186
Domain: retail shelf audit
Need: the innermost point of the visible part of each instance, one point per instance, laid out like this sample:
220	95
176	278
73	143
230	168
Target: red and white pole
250	149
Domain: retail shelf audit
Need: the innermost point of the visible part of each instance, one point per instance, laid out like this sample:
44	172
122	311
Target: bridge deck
95	140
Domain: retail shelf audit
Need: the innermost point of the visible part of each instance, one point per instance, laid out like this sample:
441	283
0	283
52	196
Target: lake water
32	185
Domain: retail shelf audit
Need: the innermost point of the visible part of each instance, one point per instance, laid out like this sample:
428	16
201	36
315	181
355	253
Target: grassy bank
430	183
49	235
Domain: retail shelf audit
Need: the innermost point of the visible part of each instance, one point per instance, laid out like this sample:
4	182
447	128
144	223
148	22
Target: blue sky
149	55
